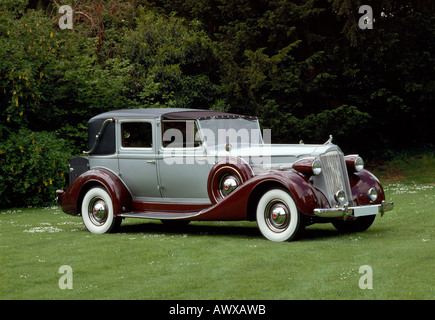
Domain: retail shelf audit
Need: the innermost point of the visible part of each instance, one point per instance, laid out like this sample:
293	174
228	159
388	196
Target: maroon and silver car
184	165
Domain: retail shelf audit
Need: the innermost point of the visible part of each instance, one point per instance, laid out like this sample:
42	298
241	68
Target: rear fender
71	199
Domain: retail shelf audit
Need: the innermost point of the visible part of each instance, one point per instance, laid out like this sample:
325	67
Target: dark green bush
32	166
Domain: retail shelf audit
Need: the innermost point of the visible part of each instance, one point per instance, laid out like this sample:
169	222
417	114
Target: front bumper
359	211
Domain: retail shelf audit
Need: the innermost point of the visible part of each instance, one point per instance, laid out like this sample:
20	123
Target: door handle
151	161
201	159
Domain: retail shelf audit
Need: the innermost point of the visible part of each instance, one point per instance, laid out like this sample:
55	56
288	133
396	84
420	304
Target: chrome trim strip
160	216
97	137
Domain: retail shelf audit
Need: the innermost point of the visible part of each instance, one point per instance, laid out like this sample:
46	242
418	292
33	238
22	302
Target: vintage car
181	165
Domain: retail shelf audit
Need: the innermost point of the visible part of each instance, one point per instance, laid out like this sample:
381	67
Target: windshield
218	131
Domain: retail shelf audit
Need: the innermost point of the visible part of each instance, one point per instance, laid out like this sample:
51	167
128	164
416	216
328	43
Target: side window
180	134
136	135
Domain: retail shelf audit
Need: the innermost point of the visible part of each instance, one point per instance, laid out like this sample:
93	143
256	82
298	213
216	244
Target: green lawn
216	260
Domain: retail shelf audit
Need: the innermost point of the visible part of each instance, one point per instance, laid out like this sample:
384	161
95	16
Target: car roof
136	113
166	113
106	145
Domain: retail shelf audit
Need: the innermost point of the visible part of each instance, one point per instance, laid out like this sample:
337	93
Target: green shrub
32	166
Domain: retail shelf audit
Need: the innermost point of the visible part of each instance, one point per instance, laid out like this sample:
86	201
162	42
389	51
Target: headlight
372	194
354	163
308	166
316	167
340	197
359	164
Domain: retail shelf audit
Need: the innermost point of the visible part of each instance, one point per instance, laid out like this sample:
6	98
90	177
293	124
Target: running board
161	215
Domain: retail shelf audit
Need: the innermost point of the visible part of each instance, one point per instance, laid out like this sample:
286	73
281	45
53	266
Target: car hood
274	155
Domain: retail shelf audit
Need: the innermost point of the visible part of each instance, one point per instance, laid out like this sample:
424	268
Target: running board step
160	215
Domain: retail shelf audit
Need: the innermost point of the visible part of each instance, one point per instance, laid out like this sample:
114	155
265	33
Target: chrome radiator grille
335	175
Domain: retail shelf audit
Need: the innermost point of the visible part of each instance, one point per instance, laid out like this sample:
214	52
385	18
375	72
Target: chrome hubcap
97	211
277	215
228	184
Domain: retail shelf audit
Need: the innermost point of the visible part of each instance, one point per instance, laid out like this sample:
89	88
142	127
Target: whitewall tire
277	216
97	211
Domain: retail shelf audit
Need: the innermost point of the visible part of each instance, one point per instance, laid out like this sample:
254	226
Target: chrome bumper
360	211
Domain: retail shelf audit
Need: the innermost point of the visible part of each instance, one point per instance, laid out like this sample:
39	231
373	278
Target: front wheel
97	212
277	216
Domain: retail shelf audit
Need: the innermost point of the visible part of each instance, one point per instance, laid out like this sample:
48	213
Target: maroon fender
305	195
230	166
360	183
71	199
244	199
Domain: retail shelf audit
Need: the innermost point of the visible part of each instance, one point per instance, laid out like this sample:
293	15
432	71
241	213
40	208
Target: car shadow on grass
192	229
246	230
313	234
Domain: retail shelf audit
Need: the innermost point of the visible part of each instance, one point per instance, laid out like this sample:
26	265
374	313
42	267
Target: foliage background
304	68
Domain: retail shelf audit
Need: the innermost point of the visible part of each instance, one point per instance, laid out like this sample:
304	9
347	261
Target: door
137	158
183	169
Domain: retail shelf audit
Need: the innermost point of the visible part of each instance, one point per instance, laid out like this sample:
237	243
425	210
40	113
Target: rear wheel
97	212
277	216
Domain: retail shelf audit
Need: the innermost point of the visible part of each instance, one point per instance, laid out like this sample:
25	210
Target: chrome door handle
151	161
201	160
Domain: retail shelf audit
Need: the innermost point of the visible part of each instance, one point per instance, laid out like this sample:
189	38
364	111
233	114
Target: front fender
241	203
360	183
305	195
71	199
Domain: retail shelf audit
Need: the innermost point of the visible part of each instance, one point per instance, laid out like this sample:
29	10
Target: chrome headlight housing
354	163
372	194
359	164
308	166
340	197
316	167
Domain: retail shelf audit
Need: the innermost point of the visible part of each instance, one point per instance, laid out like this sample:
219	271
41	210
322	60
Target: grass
407	169
231	260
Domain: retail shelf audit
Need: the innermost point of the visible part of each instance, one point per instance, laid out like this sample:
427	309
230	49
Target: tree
289	62
172	62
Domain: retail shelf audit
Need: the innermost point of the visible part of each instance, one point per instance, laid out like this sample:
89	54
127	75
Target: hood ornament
329	140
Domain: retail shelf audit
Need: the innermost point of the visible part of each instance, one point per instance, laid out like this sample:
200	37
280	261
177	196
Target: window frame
121	138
